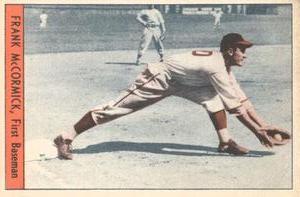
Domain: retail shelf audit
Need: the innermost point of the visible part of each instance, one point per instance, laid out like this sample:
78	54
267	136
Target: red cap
233	40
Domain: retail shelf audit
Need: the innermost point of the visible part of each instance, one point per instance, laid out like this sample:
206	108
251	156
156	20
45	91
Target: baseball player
204	77
43	20
217	14
154	28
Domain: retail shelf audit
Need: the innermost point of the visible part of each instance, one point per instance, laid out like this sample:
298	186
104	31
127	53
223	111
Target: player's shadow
161	148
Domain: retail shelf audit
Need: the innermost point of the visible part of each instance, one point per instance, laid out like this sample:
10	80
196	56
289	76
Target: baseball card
143	98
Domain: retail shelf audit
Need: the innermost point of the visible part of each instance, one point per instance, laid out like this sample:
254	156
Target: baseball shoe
64	148
232	147
138	62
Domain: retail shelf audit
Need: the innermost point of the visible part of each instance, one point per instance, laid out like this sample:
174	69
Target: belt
152	25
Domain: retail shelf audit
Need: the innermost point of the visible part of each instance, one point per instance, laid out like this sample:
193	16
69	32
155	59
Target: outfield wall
191	9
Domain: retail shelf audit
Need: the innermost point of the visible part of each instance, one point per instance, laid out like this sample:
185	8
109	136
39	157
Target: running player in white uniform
154	29
204	77
43	20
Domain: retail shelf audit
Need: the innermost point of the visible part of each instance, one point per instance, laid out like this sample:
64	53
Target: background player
217	14
204	77
154	29
43	20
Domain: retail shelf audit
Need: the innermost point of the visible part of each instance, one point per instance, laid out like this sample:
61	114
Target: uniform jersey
203	69
217	15
152	16
43	17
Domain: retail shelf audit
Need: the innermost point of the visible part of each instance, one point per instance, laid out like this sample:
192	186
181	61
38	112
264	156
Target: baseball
278	137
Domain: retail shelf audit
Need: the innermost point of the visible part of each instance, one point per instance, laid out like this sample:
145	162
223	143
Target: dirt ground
170	145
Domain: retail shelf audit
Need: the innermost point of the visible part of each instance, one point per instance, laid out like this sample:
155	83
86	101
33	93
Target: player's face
239	56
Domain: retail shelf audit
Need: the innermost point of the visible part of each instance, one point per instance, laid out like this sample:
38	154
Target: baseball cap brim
244	43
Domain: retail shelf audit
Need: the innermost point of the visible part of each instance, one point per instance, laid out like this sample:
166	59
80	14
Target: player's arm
246	120
161	21
228	94
163	28
254	115
139	18
248	105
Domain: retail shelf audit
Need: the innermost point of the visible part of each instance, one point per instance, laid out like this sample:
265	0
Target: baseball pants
149	34
150	88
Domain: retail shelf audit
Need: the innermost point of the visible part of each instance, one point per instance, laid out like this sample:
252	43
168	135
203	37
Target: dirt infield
170	145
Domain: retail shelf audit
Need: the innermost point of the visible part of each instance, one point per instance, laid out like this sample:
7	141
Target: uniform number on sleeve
201	53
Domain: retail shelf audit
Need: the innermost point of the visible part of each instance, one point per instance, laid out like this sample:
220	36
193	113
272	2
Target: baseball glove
278	136
162	37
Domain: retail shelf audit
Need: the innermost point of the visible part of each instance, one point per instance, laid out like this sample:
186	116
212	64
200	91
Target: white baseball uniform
43	20
217	15
152	19
199	76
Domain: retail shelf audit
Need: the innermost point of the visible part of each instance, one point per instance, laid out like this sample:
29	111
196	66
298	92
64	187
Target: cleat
232	147
64	148
138	62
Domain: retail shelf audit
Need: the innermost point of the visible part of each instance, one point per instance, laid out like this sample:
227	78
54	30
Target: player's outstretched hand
264	138
278	135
